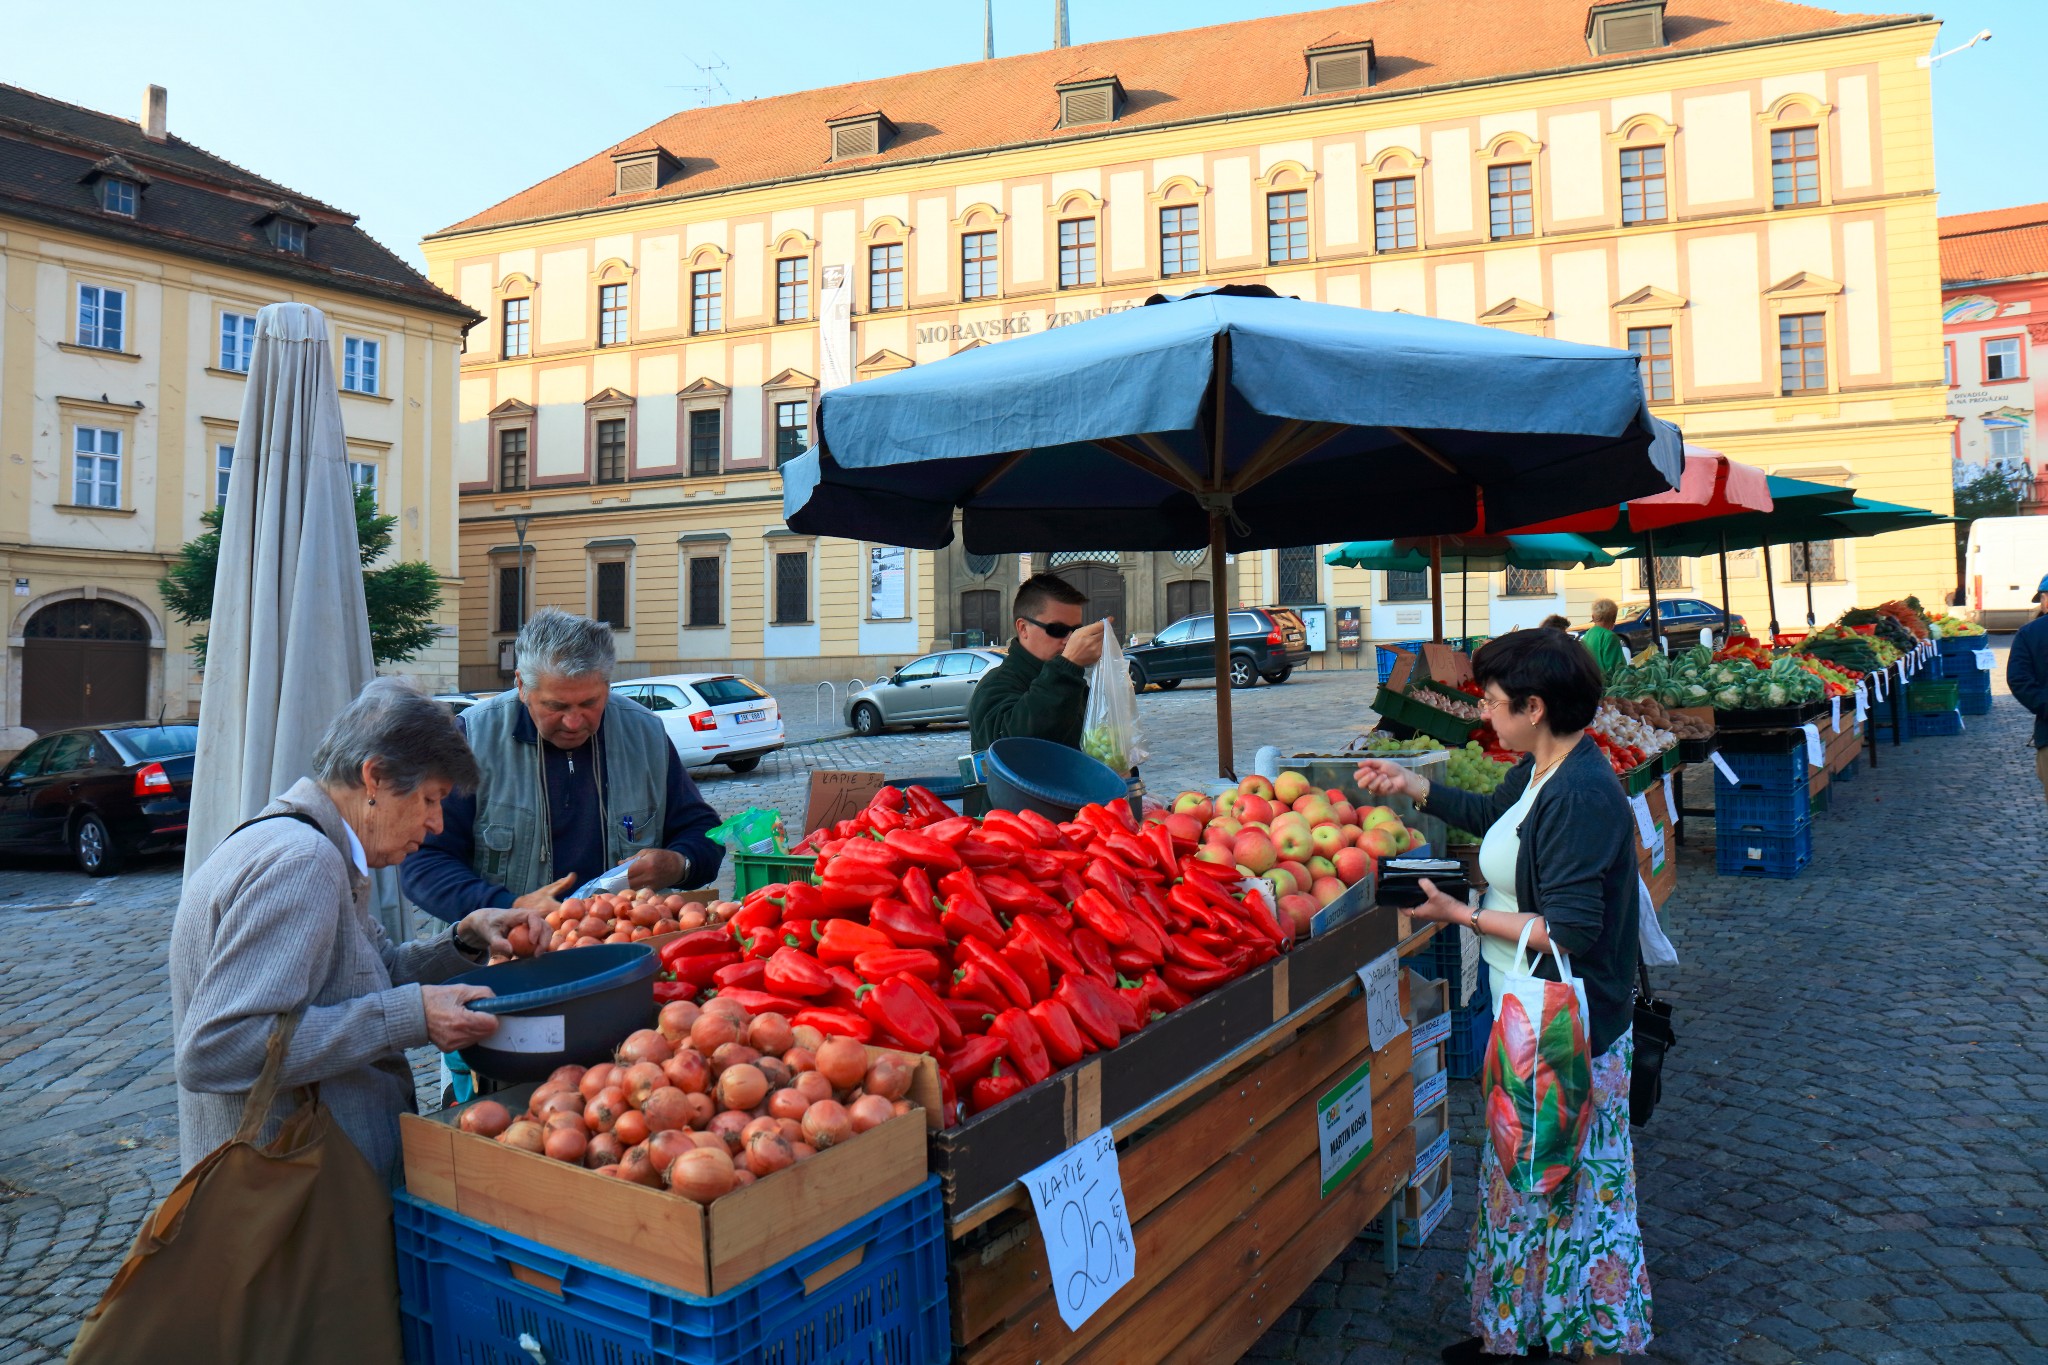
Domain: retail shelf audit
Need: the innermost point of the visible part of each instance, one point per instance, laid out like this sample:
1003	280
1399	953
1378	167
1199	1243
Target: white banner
835	330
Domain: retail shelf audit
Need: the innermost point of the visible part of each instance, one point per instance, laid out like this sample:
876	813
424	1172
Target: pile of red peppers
1007	947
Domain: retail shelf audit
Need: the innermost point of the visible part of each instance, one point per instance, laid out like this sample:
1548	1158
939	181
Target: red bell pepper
1015	991
667	992
917	889
1039	866
1048	833
920	849
881	965
1090	1002
893	1007
1012	894
1056	1028
792	971
751	919
1163	997
971	1061
1262	917
1139	853
1130	993
992	1089
842	941
1027	1049
718	939
763	1002
1011	825
1070	886
970	1014
801	933
853	885
1188	953
950	1033
844	986
1029	962
1093	951
1147	939
924	808
1196	980
1099	913
1049	942
747	974
702	970
865	853
905	926
1193	868
885	821
835	1021
951	830
1099	823
888	798
1162	846
949	1102
1009	839
1131	962
1102	875
980	853
974	981
965	913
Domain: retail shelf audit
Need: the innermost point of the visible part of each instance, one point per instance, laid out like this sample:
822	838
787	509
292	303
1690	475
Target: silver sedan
935	688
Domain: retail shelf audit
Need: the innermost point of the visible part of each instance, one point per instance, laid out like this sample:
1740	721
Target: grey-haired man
575	782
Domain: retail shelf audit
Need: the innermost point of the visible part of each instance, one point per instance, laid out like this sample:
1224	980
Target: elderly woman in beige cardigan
277	921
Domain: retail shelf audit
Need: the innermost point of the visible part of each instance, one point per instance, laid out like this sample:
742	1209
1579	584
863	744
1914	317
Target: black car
101	794
1263	644
1682	619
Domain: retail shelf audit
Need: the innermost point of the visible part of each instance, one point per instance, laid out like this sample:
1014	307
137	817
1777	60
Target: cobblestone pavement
1844	1169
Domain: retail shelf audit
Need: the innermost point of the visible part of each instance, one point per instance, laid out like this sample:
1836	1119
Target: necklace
1545	770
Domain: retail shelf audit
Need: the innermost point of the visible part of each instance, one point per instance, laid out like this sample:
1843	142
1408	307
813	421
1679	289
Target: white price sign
1835	705
1079	1198
1726	771
1984	660
1381	978
1816	757
1670	800
1862	708
1646	828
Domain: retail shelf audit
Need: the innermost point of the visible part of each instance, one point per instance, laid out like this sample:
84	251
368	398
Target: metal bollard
818	714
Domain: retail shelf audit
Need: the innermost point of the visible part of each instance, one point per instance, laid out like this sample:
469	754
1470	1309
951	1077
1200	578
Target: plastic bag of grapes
1109	727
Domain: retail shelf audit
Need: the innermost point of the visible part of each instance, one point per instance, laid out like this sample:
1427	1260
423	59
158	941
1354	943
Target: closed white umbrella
289	643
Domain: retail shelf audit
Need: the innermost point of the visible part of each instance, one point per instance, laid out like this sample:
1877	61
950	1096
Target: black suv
1264	643
1681	621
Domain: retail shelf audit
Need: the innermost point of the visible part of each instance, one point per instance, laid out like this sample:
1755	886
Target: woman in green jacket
1601	641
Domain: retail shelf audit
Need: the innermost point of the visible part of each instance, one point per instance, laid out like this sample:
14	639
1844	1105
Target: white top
1498	852
355	850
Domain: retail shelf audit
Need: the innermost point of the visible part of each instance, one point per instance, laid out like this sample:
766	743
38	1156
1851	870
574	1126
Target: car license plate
748	717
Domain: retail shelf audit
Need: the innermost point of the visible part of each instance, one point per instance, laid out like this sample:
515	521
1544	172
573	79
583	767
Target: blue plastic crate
1975	703
1935	723
1769	810
1745	853
1386	655
1850	773
461	1303
1764	772
1465	1053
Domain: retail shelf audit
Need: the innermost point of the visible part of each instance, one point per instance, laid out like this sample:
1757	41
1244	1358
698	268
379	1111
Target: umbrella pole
1219	611
1464	600
1809	585
1727	619
1436	588
1650	563
1771	592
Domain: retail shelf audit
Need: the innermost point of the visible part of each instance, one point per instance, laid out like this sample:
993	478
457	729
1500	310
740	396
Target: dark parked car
102	794
1264	643
1682	619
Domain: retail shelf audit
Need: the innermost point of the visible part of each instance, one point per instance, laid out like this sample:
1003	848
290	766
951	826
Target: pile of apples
1312	844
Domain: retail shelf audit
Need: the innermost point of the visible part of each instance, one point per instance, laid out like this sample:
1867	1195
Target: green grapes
1469	769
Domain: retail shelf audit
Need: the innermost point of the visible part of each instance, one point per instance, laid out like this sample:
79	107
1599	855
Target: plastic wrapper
1109	728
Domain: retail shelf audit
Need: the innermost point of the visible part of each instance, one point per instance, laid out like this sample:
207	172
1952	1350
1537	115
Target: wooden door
84	663
1188	597
981	610
1104	588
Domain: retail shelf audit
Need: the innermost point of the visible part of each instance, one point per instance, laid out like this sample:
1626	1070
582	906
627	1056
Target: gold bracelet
1422	801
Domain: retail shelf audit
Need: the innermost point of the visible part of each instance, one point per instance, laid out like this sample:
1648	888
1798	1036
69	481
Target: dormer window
1339	62
1089	96
286	235
116	186
118	196
1625	26
859	132
641	166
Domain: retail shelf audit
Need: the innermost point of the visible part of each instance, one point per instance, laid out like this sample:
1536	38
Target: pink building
1994	297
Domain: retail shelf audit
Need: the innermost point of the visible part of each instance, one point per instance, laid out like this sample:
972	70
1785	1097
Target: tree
1992	490
402	598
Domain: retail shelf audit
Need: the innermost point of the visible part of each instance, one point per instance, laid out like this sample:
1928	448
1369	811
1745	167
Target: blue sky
362	111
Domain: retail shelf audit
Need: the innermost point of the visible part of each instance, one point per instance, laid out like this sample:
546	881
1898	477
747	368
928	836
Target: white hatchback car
711	717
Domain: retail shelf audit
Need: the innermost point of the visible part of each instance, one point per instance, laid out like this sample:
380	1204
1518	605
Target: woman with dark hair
1552	1273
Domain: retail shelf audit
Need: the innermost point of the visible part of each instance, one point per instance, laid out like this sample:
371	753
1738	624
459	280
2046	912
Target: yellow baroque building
1742	191
132	265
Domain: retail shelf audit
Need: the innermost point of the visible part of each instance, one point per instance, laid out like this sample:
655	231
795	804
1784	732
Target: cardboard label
1671	801
1447	665
1468	967
1344	1123
526	1033
1431	1031
1835	708
1428	1096
1381	978
1816	756
1721	765
837	796
1079	1199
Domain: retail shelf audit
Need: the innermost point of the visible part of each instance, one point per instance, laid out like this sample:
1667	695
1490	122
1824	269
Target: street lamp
519	524
1923	62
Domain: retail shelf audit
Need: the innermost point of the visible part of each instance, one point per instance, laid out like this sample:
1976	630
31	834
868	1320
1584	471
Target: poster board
1350	629
1447	665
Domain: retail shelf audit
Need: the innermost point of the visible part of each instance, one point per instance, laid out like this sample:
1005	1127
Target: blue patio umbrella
1235	420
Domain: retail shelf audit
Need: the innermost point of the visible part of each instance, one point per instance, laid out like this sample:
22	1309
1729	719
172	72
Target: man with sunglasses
1041	689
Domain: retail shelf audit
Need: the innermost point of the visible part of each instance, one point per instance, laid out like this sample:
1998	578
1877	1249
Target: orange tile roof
1998	244
1255	65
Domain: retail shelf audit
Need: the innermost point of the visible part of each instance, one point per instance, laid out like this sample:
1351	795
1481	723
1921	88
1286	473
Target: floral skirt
1566	1269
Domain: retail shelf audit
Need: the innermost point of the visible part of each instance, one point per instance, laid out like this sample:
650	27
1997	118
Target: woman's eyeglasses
1059	630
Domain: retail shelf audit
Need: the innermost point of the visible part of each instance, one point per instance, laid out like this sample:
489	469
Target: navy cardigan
1577	869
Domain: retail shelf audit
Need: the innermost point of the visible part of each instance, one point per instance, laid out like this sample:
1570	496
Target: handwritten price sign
1079	1197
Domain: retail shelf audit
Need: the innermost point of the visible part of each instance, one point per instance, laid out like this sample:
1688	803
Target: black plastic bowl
565	1008
1052	779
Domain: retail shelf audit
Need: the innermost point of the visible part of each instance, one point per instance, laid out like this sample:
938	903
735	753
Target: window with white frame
793	289
2008	443
792	429
223	464
517	331
237	341
885	276
611	315
118	196
102	316
1077	252
359	357
96	467
1180	239
363	474
2002	360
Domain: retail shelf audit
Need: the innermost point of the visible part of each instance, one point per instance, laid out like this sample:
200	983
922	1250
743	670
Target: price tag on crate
1984	660
1835	706
1816	757
1721	764
1468	966
1079	1198
1344	1126
1670	800
1646	827
1381	978
1902	670
1862	708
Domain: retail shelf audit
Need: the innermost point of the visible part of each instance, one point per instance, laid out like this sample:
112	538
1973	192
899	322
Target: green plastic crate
752	871
1424	719
1927	697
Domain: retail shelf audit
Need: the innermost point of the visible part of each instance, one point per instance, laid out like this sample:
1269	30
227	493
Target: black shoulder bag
1654	1037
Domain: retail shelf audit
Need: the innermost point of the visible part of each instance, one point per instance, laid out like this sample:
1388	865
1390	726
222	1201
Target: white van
2006	560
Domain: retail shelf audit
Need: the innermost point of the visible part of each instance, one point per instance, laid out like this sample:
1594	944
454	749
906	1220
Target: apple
1343	812
1293	842
1252	809
1416	839
1195	804
1327	839
1254	849
1301	909
1320	867
1298	871
1380	841
1353	865
1326	889
1284	883
1215	853
1185	829
1290	787
1226	825
1256	785
1380	815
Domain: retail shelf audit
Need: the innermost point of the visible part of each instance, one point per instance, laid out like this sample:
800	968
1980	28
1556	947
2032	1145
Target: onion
808	1037
566	1144
641	1080
676	1018
524	1134
732	1054
742	1086
701	1108
764	1124
844	1062
602	1112
666	1108
902	1106
688	1071
714	1029
792	1130
888	1077
801	1059
826	1123
788	1104
728	1126
771	1034
870	1111
631	1128
645	1045
769	1153
645	914
561	1102
701	1175
570	1075
664	1147
691	919
637	1167
742	1178
708	1140
590	926
803	1150
595	1079
667	926
485	1118
731	1009
776	1070
604	1150
554	1121
812	1085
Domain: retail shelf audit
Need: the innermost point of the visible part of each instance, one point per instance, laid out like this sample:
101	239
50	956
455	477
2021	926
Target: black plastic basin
569	1007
